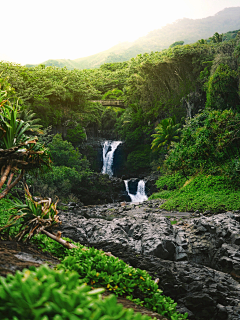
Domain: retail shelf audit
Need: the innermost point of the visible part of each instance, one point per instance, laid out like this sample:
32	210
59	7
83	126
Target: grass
202	192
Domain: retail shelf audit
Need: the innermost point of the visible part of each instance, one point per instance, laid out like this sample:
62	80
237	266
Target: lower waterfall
109	148
140	196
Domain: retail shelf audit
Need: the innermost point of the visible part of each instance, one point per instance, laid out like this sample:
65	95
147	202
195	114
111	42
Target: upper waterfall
140	196
109	148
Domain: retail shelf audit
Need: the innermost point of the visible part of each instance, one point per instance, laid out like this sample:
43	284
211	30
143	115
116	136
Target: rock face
99	189
196	258
119	160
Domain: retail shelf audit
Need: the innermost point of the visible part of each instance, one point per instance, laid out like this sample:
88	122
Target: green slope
187	30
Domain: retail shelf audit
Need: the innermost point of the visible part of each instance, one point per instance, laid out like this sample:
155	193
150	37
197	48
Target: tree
167	131
217	38
222	90
209	142
75	133
177	43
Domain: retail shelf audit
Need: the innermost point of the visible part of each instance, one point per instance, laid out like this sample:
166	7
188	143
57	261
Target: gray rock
197	260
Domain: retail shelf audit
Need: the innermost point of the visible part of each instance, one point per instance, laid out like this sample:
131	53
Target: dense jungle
178	121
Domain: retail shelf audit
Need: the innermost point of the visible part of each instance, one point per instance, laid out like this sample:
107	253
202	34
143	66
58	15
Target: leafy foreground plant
98	269
44	294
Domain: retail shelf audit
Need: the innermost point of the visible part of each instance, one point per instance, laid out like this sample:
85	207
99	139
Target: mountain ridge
186	29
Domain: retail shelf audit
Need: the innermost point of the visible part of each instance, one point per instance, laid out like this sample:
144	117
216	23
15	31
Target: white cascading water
108	156
140	196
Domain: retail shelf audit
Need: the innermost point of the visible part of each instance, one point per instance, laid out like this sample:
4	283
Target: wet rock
132	185
201	291
196	259
99	189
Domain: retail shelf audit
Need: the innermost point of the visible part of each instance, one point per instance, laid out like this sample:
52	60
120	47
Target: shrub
222	90
43	293
170	182
114	94
64	154
98	269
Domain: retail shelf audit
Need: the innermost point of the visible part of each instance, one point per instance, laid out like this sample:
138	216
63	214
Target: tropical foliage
68	170
210	142
95	268
167	131
32	216
19	151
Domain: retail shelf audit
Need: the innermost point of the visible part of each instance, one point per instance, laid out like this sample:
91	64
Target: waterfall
109	148
140	196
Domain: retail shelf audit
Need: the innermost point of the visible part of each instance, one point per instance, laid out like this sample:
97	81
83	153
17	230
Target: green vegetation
20	151
177	43
192	89
211	193
97	269
68	170
44	294
114	94
167	131
209	141
32	216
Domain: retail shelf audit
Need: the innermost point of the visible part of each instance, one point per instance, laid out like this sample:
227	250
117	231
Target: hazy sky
33	31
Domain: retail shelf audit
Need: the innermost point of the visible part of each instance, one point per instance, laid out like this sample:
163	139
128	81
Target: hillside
187	30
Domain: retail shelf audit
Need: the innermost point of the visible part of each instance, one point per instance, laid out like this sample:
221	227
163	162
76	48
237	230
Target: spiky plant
18	150
167	131
34	217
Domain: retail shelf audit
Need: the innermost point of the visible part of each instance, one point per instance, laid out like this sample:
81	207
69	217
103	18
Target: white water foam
109	148
140	196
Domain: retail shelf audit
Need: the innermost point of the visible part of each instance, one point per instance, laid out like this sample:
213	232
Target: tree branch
5	192
4	176
10	178
65	243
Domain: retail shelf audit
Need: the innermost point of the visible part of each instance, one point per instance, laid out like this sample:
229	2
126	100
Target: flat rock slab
17	256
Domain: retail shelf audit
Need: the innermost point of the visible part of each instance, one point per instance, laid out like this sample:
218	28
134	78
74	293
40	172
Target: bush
114	94
43	293
97	269
108	119
64	154
67	172
170	182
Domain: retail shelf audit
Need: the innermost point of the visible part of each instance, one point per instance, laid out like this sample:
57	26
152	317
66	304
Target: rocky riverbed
196	256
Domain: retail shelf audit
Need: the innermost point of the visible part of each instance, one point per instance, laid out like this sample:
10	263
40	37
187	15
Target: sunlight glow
35	31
